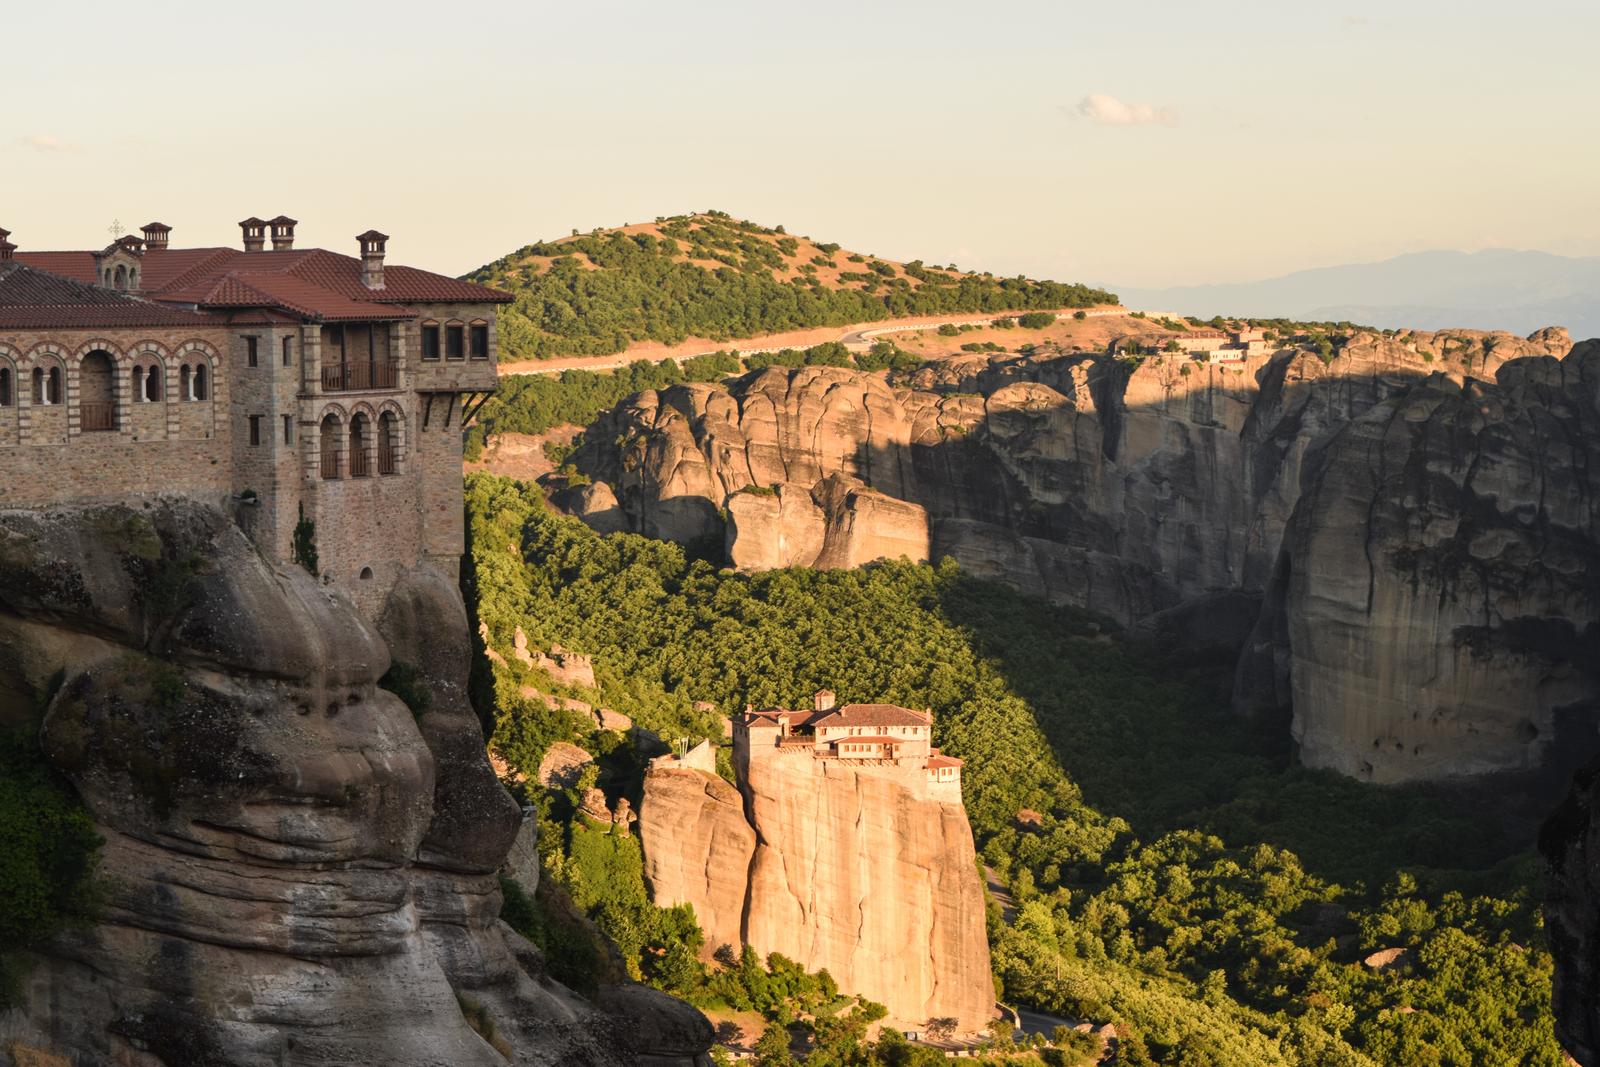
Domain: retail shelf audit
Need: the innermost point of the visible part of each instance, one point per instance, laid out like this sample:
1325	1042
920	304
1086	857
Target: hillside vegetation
712	276
1182	878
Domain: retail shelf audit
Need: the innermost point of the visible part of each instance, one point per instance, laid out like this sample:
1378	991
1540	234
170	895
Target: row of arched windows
365	449
44	385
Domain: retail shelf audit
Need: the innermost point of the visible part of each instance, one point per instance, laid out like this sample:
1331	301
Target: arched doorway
388	444
97	398
331	429
360	442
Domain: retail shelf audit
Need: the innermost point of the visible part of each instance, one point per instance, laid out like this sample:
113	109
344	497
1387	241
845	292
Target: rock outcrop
300	869
1570	842
859	869
1164	490
1436	607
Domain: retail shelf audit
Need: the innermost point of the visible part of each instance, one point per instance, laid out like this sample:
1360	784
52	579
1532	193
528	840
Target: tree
772	1050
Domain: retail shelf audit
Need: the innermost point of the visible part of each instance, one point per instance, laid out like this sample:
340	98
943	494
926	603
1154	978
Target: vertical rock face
300	868
1429	611
863	870
1570	842
1437	609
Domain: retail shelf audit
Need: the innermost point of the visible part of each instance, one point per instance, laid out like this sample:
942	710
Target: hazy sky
1134	143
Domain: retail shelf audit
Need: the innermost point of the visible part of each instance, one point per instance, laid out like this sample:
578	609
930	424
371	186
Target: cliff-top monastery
299	389
865	733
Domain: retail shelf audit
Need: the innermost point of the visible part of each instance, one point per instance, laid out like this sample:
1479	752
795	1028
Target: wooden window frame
431	347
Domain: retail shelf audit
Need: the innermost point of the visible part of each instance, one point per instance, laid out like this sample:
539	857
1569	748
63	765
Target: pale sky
1131	143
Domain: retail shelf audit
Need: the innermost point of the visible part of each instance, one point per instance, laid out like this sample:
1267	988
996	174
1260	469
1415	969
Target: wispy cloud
1109	111
46	142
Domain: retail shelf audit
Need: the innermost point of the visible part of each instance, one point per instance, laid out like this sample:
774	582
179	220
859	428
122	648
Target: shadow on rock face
299	868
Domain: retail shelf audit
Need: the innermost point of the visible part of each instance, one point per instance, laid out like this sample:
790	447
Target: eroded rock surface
1165	491
1436	608
300	868
858	869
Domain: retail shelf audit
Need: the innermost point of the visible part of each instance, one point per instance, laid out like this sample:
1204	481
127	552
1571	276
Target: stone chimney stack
7	249
255	234
156	235
283	233
823	700
373	244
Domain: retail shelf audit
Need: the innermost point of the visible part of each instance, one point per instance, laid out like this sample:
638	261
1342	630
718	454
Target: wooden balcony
351	377
97	416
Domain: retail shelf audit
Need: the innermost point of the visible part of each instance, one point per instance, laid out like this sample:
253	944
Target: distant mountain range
1496	289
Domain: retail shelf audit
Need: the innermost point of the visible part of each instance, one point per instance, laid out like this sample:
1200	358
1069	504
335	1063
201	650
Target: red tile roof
935	762
312	283
870	739
872	715
36	299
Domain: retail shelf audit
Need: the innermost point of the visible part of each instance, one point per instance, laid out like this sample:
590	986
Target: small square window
480	341
455	346
430	342
255	429
251	344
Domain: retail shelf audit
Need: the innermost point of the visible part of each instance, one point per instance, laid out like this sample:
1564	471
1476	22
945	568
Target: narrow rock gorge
1180	495
861	870
298	867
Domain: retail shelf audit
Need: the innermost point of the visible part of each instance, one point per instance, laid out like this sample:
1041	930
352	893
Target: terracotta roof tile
313	282
36	299
873	715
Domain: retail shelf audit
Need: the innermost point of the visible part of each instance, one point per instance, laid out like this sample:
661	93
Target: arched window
97	401
136	384
121	277
199	382
185	388
5	387
360	441
388	444
152	385
330	446
52	394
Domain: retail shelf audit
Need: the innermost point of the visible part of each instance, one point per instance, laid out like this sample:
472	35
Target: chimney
255	234
823	700
372	248
7	249
283	233
156	235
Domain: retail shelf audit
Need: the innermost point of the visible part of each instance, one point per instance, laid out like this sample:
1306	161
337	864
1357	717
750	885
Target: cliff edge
298	867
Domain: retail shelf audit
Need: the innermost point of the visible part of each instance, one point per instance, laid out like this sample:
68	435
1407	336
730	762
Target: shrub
948	330
48	853
1036	320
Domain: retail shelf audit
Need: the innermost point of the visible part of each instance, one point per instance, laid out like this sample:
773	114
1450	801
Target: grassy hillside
716	277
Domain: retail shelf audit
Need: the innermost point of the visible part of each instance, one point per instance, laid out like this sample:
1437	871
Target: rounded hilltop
711	277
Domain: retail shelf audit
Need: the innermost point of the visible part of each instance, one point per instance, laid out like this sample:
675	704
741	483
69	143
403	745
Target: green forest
606	290
1185	880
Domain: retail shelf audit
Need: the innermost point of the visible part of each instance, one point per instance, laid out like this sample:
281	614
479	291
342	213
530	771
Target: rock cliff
299	868
857	869
1436	606
1570	842
1165	489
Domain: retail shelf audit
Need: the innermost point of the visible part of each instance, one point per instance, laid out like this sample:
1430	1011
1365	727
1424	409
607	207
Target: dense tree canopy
1182	879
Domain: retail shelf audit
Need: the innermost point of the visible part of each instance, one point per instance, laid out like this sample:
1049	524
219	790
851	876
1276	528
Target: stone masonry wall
171	447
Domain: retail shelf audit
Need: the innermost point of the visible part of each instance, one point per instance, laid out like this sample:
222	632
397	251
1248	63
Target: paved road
855	337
